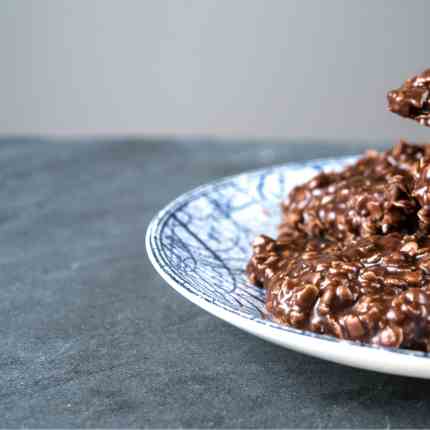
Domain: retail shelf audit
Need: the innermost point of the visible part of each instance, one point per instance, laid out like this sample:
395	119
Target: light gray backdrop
232	67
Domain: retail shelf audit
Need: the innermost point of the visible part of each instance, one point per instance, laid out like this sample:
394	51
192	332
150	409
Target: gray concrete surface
91	336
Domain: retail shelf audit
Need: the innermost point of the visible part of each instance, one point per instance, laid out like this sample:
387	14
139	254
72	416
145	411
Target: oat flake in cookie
411	100
352	258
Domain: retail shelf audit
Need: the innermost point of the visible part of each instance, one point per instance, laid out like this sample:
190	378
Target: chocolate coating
352	258
373	289
373	196
411	100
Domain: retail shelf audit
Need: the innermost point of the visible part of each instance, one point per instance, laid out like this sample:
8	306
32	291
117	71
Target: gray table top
92	337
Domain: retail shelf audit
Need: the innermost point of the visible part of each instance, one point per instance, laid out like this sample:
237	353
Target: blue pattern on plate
201	241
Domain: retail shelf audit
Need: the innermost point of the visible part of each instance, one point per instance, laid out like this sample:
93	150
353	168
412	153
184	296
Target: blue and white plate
200	244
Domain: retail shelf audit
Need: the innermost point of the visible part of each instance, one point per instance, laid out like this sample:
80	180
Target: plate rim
210	305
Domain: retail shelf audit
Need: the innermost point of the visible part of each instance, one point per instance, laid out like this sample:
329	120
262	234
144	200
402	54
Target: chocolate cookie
411	100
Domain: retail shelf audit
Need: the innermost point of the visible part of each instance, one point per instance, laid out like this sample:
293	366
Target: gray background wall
231	67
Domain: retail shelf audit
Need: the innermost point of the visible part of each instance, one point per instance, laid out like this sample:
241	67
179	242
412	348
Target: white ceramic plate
200	244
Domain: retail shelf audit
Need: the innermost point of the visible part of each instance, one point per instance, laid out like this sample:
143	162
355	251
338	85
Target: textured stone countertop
91	336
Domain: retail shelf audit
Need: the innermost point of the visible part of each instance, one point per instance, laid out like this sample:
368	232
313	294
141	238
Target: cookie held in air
411	100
